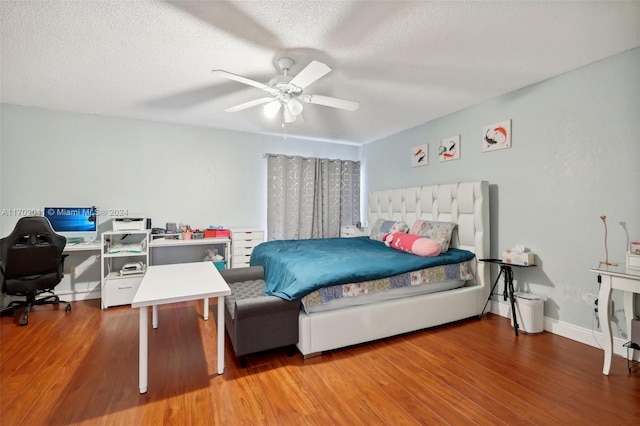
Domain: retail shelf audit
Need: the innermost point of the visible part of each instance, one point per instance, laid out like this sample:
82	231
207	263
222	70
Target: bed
367	317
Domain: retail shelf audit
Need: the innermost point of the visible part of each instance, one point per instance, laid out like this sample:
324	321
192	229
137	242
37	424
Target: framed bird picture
496	136
420	155
449	148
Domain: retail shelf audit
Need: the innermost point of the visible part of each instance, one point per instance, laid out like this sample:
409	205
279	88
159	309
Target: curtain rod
290	157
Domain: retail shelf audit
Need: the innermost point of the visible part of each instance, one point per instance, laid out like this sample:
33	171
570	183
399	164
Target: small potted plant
186	232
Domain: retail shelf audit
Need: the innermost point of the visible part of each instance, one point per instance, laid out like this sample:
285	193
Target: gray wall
167	172
575	156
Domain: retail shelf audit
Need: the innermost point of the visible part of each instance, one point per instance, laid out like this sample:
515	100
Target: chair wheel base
25	318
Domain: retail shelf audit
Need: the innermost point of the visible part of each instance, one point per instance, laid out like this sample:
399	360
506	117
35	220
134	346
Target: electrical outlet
74	270
589	298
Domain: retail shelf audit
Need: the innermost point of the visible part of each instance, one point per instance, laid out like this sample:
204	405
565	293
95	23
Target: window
311	197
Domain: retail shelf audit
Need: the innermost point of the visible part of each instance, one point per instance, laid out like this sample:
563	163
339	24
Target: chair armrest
243	274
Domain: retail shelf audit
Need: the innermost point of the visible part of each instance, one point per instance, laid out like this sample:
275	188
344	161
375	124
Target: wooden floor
82	368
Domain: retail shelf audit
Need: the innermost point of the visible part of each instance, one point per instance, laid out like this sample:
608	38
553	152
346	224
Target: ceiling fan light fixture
272	108
288	117
295	107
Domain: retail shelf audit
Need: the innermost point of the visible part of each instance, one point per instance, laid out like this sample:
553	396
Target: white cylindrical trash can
529	312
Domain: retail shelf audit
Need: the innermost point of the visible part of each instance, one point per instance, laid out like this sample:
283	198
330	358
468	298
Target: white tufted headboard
466	204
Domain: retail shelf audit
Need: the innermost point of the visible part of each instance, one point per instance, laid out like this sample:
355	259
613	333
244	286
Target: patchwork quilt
295	268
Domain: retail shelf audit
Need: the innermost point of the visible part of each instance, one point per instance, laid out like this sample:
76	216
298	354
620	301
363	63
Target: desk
170	251
163	284
505	268
81	280
180	249
619	278
91	246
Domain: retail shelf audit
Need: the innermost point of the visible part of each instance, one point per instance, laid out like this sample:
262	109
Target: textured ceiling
406	63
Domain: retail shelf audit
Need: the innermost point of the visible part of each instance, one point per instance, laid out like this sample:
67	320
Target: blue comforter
294	268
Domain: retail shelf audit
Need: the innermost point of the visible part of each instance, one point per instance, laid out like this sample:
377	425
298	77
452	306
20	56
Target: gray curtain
311	197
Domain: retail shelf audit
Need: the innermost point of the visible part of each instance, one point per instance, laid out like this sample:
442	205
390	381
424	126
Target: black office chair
31	264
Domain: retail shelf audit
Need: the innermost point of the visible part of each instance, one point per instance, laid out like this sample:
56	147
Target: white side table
618	278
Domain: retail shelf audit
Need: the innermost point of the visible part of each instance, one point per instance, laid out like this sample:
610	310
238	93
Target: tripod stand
505	269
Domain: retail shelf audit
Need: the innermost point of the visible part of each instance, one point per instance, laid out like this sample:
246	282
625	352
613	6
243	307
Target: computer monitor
76	223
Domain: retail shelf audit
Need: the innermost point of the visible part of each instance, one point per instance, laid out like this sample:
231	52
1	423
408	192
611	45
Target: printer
129	224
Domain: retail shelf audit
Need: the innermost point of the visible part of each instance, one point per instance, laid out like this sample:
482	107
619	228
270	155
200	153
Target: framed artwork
496	136
420	155
449	148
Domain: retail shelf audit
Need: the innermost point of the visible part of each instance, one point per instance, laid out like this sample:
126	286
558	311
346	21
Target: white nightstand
350	231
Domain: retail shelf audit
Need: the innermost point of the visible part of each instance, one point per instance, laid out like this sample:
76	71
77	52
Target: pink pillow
413	244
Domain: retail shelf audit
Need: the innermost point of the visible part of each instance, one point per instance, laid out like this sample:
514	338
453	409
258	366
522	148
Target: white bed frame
466	204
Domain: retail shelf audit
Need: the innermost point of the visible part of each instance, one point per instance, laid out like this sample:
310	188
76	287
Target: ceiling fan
287	92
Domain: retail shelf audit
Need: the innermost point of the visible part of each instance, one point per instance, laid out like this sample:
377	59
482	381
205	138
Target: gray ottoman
255	322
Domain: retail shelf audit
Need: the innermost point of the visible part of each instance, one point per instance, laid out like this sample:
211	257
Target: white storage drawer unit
243	240
120	290
125	257
243	251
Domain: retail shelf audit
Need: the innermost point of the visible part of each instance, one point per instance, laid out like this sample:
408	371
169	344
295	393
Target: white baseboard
74	296
570	331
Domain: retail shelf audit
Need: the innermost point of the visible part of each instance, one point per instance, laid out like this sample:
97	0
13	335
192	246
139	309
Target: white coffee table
180	282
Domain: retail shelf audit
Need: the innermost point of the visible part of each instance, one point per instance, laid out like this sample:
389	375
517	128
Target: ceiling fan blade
232	19
309	74
249	104
241	79
330	102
